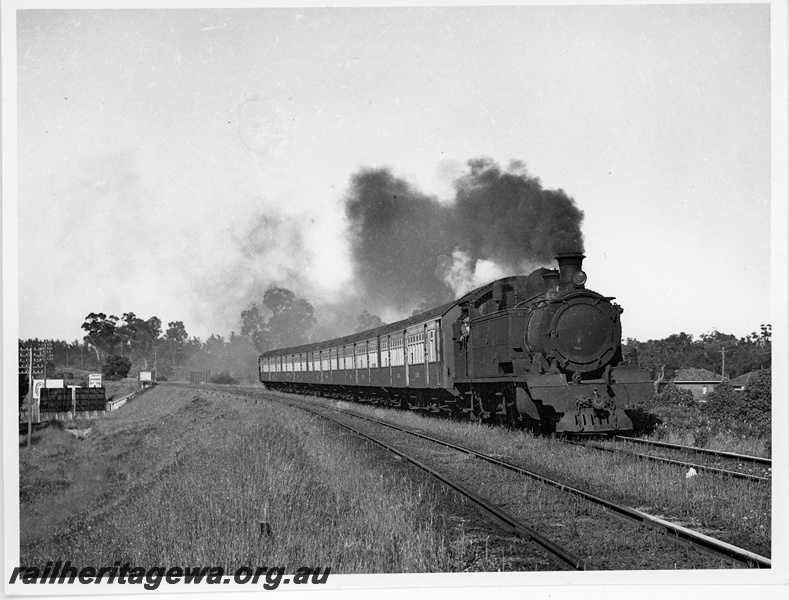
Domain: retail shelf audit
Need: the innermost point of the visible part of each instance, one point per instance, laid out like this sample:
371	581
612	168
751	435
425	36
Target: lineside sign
50	384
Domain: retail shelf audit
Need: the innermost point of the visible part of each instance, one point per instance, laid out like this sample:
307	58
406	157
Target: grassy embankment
175	478
178	476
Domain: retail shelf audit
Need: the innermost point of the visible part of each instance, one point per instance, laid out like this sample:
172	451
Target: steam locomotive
538	351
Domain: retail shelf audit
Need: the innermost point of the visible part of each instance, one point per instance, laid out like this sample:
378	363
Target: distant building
700	382
740	382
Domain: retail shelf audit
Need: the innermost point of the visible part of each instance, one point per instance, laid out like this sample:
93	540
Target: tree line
283	319
720	353
110	342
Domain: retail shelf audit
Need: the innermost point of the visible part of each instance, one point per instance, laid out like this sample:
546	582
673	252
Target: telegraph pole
30	396
723	363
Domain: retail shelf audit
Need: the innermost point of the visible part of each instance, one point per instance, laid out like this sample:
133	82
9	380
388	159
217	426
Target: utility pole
30	396
723	363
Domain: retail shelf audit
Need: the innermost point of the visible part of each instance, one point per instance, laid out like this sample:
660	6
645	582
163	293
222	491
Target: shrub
672	412
644	421
671	394
224	378
745	412
116	368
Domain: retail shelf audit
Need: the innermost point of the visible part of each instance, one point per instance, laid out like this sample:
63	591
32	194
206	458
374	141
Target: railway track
727	464
702	451
706	544
692	538
565	558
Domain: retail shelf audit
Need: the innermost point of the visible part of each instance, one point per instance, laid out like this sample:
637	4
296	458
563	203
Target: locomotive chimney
569	264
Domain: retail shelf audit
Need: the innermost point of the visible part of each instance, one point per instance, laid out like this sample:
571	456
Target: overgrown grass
688	425
739	511
193	486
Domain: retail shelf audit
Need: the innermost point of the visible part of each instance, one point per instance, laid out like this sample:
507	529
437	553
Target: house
700	382
740	382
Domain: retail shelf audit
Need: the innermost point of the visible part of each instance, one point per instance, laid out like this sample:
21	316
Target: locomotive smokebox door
585	333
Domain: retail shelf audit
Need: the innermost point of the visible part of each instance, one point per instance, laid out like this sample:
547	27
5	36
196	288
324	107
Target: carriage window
396	352
333	362
416	348
384	353
361	355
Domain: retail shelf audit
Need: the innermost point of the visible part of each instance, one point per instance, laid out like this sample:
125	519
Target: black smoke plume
509	218
397	236
410	250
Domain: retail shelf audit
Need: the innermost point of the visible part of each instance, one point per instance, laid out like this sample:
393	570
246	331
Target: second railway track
726	464
600	520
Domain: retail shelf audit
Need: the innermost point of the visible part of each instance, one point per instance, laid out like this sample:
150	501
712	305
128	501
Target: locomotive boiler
539	351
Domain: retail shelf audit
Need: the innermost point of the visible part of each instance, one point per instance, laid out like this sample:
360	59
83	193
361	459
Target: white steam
463	274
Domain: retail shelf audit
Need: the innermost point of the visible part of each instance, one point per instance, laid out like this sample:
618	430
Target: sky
178	163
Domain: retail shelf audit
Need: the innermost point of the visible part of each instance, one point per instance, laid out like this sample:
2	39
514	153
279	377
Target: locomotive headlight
579	278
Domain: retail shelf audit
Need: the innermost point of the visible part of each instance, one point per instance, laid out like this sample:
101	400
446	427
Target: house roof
696	376
743	379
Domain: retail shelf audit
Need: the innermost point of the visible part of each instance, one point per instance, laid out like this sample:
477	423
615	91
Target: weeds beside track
685	535
738	513
743	471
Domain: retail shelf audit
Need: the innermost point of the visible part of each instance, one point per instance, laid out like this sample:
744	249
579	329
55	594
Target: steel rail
694	538
741	457
670	461
510	523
